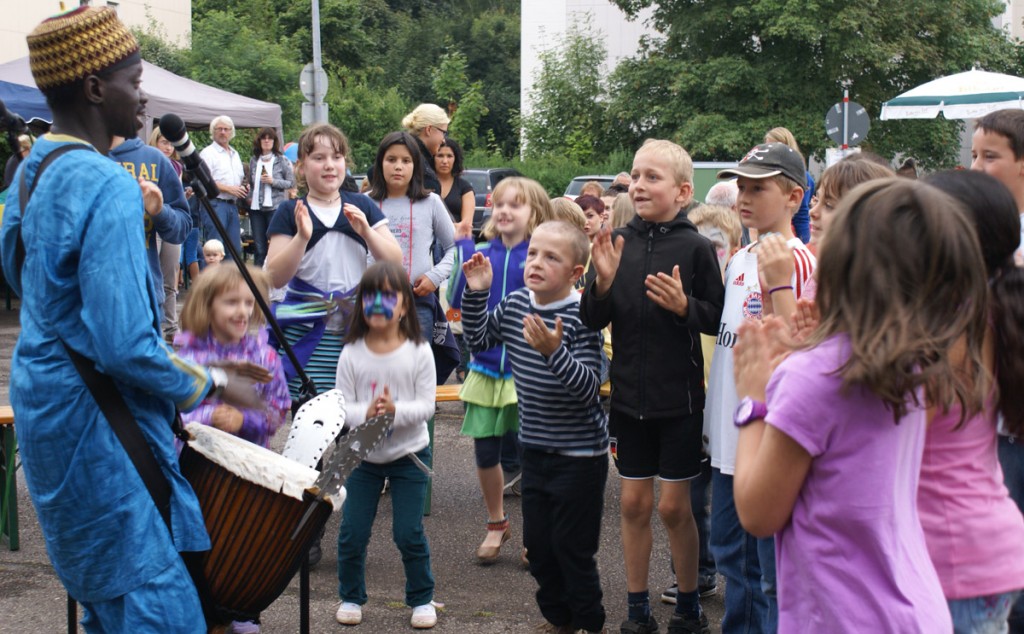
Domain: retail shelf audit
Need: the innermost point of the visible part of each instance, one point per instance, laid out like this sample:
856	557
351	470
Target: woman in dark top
456	191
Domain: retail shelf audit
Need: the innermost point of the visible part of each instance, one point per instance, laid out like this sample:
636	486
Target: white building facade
545	21
172	17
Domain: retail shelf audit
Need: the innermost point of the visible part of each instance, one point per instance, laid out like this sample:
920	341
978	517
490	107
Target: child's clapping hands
381	405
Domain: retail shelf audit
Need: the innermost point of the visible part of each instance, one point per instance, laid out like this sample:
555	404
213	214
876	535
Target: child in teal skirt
520	204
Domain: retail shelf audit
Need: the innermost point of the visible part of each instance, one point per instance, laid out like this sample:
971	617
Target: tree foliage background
721	73
727	71
382	58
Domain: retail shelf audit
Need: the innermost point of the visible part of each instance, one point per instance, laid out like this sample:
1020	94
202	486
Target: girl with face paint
387	368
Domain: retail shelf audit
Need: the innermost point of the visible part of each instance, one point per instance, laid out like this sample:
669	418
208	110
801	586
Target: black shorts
669	448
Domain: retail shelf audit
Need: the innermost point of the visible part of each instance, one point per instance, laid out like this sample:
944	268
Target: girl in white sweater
387	367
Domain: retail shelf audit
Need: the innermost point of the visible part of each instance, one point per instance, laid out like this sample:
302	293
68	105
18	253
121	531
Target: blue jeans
227	213
1011	458
258	222
982	615
408	494
190	249
747	563
699	504
425	315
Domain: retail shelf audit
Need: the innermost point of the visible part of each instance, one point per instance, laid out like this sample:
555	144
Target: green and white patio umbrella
967	95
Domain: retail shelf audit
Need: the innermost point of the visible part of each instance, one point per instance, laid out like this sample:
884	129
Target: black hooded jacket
657	364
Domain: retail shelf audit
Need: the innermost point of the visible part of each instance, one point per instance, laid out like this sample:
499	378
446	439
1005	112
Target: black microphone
173	129
11	121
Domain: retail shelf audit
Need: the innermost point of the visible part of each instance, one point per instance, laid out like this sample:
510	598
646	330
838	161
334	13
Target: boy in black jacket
659	285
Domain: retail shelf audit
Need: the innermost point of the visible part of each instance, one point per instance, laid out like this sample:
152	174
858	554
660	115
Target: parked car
576	184
359	178
483	181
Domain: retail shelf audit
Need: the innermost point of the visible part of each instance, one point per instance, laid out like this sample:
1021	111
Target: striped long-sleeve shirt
559	409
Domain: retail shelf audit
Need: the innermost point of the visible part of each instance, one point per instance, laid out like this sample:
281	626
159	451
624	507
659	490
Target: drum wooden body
253	555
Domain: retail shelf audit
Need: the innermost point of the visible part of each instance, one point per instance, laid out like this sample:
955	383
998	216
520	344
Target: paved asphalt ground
478	600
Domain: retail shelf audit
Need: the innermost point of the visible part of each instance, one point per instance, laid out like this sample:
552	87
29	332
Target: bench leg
9	487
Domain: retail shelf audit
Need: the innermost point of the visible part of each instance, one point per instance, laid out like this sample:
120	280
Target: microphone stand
307	389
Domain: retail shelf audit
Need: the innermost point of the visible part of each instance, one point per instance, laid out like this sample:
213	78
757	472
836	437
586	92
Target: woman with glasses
428	123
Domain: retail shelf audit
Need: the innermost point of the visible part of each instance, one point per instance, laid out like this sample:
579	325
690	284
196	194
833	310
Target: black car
483	181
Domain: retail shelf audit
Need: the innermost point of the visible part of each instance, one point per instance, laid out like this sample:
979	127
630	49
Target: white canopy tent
196	103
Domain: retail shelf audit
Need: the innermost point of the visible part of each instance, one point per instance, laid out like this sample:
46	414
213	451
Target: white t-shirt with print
743	301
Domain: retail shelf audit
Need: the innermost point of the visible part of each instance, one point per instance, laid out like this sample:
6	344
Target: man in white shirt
226	167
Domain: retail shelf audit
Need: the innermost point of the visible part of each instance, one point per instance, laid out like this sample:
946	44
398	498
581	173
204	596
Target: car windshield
577	184
478	180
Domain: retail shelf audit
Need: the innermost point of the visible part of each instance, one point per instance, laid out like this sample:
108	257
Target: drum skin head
315	426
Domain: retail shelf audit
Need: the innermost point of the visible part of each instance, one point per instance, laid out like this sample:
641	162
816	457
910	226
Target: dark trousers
258	222
227	212
563	502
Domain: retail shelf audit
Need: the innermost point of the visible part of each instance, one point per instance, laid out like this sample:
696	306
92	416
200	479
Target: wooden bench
8	479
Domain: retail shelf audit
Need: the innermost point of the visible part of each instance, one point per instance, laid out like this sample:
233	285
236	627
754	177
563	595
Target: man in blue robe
85	283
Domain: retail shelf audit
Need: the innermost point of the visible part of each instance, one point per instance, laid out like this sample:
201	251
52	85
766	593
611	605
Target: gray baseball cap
770	159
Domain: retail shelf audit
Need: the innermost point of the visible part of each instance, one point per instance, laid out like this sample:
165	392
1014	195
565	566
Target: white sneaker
424	617
349	614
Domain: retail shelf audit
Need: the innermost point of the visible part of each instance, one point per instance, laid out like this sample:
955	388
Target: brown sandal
489	554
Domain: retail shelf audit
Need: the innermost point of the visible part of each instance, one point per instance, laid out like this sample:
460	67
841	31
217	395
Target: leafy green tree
387	48
156	49
729	70
450	80
568	109
472	108
492	53
246	63
365	114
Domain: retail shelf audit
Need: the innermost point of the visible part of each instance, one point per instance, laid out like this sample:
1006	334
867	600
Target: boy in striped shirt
556	363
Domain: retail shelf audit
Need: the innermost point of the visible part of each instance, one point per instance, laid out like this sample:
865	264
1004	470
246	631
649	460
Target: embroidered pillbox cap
770	159
68	47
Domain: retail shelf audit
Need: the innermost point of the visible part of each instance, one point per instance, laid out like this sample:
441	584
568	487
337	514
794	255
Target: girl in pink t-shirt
831	442
975	532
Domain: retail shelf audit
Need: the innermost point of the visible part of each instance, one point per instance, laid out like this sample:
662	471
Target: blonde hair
847	174
424	115
592	188
782	135
720	217
197	313
154	138
226	120
622	211
678	158
213	245
571	237
25	142
529	192
564	209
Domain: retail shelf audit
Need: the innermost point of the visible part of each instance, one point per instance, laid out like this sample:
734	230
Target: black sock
688	604
639	606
